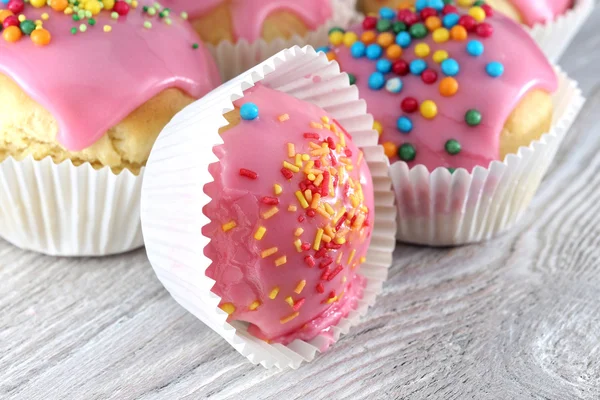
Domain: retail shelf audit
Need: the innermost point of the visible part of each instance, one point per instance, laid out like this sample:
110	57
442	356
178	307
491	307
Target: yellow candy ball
378	127
422	50
350	38
465	3
336	38
38	3
441	35
440	56
22	18
428	109
94	7
478	13
108	4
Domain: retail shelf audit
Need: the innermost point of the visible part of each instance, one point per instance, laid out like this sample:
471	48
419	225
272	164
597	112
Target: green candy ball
473	117
407	152
384	25
352	78
27	27
452	147
418	31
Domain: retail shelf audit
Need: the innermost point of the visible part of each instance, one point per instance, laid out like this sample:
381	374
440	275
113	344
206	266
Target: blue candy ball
417	66
404	125
403	39
438	5
387	13
394	85
450	20
358	49
249	111
374	51
475	48
384	66
450	67
494	69
421	4
376	81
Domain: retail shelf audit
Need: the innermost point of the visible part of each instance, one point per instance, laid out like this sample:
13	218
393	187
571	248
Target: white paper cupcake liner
67	210
173	196
554	37
235	58
443	209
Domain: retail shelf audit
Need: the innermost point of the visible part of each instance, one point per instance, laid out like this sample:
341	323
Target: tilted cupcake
538	14
293	246
84	97
448	91
243	33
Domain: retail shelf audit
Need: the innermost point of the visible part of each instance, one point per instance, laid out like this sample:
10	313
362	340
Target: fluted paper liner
554	37
67	210
235	58
173	196
443	209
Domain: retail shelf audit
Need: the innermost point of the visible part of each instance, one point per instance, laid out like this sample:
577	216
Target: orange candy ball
12	34
390	149
385	39
394	52
458	32
448	86
433	22
59	5
40	37
4	14
368	37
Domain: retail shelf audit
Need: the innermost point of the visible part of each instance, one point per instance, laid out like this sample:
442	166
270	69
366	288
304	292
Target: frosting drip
541	11
92	80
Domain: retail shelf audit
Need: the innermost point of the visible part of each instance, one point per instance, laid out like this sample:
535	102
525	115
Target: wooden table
514	318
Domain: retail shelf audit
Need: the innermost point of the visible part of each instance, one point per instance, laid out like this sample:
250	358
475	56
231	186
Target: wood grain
514	318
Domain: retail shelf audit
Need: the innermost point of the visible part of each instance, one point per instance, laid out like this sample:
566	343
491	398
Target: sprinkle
248	173
320	288
255	304
228	308
287	174
362	259
351	256
274	292
280	261
292	208
277	189
298	245
147	24
268	252
336	271
289	300
298	232
318	237
339	257
269	213
289	317
291	150
271	201
316	125
107	28
291	167
298	304
260	233
300	287
283	117
301	199
310	261
228	226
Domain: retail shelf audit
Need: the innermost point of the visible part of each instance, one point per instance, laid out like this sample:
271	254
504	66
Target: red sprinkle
348	153
311	136
321	253
305	246
325	184
16	6
272	201
369	23
489	11
449	9
320	288
325	275
311	213
248	174
484	30
287	174
335	272
317	163
11	20
409	105
332	294
467	22
428	12
332	158
400	67
341	221
301	218
333	246
310	261
327	261
330	143
298	304
121	8
429	76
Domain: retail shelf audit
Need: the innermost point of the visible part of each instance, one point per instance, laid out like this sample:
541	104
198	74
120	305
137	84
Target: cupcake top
441	83
292	213
90	67
248	16
534	12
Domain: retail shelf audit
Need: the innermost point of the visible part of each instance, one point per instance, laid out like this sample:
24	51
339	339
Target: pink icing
525	68
242	276
248	16
540	11
91	81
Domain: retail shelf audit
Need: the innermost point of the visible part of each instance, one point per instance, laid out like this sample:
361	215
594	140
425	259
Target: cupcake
449	91
537	14
243	33
293	246
88	88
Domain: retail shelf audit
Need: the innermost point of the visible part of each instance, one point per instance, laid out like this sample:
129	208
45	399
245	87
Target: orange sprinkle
309	166
339	257
277	189
12	34
318	180
390	149
433	22
351	256
268	252
385	39
41	37
368	37
358	222
301	199
292	208
448	87
298	232
228	226
326	238
228	308
300	287
318	237
274	292
280	261
269	213
255	304
289	318
316	125
458	32
315	200
291	150
283	117
260	233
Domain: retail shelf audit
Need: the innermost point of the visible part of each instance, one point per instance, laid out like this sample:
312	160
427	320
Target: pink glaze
525	68
242	276
248	16
541	11
91	81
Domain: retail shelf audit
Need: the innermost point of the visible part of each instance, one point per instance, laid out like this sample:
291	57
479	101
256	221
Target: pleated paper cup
444	209
554	37
173	196
67	210
235	58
